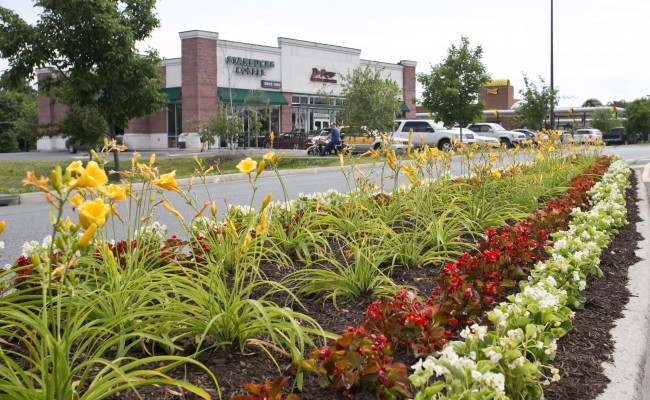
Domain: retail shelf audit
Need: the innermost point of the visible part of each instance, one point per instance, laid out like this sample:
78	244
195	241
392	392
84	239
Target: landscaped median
511	357
86	316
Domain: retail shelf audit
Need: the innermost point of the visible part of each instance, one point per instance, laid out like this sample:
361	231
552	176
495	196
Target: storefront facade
295	87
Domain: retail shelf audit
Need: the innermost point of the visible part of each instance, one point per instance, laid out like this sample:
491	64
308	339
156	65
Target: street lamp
551	115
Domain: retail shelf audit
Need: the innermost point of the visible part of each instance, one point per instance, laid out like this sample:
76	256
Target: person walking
334	138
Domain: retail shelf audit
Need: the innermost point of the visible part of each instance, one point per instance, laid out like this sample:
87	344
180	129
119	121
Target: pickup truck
615	136
432	133
509	138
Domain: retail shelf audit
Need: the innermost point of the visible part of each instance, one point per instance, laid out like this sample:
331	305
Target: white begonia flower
2	244
7	267
477	376
582	285
551	281
465	332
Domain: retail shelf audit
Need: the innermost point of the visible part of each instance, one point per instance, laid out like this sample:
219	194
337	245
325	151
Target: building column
285	114
199	78
408	81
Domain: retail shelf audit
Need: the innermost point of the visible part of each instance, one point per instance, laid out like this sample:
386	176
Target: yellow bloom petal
3	225
91	177
116	193
93	212
76	200
167	181
269	157
84	241
171	209
247	165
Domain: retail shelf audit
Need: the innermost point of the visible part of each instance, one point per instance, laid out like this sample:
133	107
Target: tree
93	61
8	114
226	124
637	117
19	122
81	125
451	89
534	108
370	102
604	120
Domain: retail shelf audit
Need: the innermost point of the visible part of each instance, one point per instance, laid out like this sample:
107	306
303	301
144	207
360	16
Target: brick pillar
408	84
199	77
285	114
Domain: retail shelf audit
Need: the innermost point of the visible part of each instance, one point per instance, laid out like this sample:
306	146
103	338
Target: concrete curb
630	371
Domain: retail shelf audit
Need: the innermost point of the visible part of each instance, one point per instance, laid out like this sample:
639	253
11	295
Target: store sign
250	66
321	75
271	84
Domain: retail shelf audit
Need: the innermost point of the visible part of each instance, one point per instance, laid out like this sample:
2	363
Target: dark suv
290	140
615	136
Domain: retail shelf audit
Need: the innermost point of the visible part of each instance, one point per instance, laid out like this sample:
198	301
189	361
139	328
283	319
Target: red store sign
321	75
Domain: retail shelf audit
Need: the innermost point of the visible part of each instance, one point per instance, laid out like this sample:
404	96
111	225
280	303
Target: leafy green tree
81	125
451	89
370	101
226	124
534	108
604	120
18	116
637	117
90	48
8	114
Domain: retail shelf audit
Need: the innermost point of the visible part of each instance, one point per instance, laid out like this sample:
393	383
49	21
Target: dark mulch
579	358
582	351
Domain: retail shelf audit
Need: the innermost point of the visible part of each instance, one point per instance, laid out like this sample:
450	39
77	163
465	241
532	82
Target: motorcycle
315	149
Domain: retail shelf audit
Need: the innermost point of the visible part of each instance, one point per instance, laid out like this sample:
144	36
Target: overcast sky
601	46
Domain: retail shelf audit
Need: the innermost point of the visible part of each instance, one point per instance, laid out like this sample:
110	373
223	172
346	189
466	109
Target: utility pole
551	114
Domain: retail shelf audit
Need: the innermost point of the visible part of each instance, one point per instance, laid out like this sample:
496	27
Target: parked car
615	136
289	140
587	135
429	132
73	146
506	137
486	140
535	136
359	141
399	145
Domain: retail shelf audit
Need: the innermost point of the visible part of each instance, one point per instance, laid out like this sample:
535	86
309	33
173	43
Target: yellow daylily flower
269	157
116	193
91	177
3	225
496	174
152	159
85	239
247	165
93	212
167	181
76	200
76	167
172	210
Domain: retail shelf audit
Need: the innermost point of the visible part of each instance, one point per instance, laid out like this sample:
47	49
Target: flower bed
145	305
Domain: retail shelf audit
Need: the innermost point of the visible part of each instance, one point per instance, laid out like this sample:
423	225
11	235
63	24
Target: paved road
26	222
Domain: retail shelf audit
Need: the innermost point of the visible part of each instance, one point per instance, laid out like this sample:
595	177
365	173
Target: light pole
551	118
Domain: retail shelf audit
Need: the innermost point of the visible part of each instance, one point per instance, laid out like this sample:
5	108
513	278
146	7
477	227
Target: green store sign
250	66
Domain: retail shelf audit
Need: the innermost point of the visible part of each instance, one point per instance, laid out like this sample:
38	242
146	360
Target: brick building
297	84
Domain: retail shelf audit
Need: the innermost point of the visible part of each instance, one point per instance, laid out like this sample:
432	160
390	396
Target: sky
600	46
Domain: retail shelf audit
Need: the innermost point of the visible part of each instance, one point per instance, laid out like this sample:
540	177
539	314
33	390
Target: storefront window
174	123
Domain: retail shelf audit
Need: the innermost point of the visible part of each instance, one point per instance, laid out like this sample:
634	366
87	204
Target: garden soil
579	357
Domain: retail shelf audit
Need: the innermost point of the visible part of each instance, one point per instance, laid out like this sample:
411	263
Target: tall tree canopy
90	47
534	108
451	89
370	101
637	117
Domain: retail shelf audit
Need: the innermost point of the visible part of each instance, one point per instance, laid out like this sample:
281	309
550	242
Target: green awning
228	95
404	108
173	93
